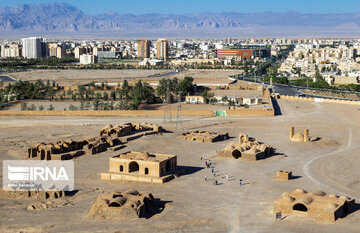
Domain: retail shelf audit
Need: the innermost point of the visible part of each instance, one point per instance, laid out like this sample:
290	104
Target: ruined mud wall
135	113
319	100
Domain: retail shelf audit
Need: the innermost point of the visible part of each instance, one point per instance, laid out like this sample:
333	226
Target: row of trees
168	88
32	90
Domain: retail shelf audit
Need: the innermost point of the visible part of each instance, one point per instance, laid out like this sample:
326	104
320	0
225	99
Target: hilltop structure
247	149
317	204
141	167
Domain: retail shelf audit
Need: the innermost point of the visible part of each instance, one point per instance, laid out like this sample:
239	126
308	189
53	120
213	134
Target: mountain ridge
64	18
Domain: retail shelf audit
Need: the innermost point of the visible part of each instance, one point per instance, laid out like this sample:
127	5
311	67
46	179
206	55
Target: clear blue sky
190	6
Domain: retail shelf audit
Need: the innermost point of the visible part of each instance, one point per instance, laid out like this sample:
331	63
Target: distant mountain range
64	20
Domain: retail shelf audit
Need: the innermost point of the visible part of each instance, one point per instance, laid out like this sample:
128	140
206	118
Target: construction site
257	165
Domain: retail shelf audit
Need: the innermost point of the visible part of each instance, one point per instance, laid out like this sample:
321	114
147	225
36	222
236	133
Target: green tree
32	107
51	108
23	106
166	88
96	104
225	99
41	108
106	96
113	95
207	95
186	86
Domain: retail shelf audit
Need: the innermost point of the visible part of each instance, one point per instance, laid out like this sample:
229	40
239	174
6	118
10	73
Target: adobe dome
300	191
345	198
298	137
288	199
131	191
253	150
332	196
331	205
306	200
285	194
319	193
143	155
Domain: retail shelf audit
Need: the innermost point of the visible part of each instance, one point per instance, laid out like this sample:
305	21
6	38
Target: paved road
285	90
7	79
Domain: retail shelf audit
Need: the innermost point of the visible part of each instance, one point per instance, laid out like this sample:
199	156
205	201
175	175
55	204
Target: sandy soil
192	204
77	77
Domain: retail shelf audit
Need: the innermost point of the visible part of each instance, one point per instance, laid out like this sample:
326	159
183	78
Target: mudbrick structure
298	137
141	166
283	175
110	136
130	131
247	149
122	205
317	204
31	194
204	136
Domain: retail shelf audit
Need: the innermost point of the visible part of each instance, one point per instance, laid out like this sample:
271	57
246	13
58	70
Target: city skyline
93	7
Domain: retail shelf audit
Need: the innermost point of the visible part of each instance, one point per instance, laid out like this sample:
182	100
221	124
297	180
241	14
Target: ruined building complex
110	136
122	205
130	131
317	204
33	194
247	149
298	137
141	166
204	136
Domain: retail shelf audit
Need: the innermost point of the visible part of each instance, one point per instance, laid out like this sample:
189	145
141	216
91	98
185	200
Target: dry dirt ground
80	77
192	204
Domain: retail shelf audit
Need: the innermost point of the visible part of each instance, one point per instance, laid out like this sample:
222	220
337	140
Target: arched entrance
133	167
168	166
236	154
300	207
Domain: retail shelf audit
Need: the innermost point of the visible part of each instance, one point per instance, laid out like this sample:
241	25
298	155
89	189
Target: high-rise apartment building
52	49
144	48
33	47
162	48
228	41
60	52
11	50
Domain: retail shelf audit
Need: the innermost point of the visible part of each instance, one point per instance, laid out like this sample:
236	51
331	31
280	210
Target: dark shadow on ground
315	139
277	109
157	207
150	107
166	131
71	193
188	170
295	177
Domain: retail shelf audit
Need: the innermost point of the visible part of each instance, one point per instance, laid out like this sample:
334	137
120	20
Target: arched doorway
133	167
236	154
168	166
42	154
146	171
300	207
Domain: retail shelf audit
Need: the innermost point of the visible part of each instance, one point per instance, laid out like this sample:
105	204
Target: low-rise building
86	59
141	167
